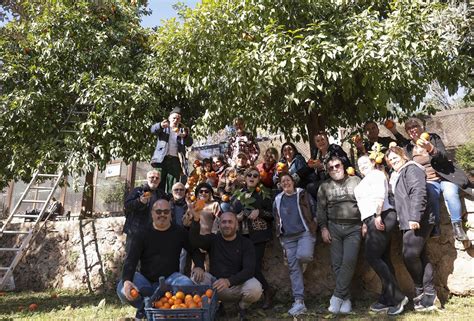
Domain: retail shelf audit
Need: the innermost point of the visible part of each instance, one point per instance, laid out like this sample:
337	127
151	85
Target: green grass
86	306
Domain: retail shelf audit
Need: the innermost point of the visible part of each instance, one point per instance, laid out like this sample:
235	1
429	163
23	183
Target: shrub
465	157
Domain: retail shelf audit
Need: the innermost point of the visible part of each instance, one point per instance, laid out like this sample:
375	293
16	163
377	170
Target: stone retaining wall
88	254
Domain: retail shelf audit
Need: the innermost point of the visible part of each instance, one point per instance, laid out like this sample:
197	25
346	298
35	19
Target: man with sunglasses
158	249
339	221
138	205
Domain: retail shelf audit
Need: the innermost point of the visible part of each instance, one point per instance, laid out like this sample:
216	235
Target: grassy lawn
85	306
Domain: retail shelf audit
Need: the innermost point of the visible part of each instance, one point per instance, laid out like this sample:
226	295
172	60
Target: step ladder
25	233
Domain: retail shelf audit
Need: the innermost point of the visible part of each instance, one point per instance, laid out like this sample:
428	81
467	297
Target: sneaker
335	304
459	233
427	303
397	309
379	307
297	308
346	306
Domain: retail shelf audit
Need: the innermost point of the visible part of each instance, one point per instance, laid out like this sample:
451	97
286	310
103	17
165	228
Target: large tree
71	85
309	64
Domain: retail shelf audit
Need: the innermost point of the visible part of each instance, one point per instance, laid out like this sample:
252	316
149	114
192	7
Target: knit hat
176	110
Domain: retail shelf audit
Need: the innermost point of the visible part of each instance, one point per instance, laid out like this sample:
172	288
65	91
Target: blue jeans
146	288
299	249
451	198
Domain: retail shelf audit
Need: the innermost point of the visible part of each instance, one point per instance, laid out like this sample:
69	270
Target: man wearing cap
170	151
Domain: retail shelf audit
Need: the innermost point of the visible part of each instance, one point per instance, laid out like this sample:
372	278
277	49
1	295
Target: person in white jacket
379	220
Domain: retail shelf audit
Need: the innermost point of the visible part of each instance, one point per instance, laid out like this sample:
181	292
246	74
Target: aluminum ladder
25	235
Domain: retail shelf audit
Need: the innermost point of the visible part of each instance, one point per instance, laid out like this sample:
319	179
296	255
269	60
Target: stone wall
88	254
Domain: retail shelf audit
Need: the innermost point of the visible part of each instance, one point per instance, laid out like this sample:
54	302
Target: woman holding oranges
254	212
209	208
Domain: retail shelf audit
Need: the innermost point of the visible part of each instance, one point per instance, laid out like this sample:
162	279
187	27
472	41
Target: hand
145	199
221	284
254	214
413	225
319	165
240	216
127	287
379	223
363	230
165	123
326	235
197	274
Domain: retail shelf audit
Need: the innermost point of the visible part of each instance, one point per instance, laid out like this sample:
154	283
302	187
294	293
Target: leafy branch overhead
89	67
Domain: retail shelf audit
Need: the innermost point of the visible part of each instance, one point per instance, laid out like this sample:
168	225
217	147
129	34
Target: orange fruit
164	299
166	306
192	305
168	294
356	139
420	142
379	160
389	124
178	301
257	189
183	306
193	198
225	198
134	293
174	306
209	293
311	161
350	171
425	136
196	298
199	205
147	194
188	297
33	307
157	304
180	295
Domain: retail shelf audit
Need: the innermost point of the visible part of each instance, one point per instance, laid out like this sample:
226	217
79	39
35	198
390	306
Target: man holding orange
170	151
158	249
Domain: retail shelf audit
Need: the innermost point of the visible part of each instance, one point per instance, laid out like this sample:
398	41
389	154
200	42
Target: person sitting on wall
372	131
170	151
232	179
232	262
158	249
242	142
138	205
442	176
268	166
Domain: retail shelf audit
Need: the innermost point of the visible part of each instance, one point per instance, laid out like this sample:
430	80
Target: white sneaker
335	305
346	307
297	308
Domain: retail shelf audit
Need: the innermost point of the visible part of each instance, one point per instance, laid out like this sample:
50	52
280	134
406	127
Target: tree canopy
285	64
72	66
307	64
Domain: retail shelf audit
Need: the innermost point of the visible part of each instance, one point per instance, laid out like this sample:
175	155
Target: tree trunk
87	195
314	124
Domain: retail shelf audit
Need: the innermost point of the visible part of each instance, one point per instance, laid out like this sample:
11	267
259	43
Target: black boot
268	298
459	233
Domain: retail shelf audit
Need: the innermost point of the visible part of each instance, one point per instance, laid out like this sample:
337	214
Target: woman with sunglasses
379	220
254	212
210	211
416	221
294	211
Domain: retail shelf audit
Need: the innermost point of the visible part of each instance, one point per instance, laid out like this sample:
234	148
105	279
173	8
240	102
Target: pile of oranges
180	300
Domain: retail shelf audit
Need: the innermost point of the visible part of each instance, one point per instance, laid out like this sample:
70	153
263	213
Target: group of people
229	207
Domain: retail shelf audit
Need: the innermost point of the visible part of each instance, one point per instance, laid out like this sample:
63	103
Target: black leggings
259	253
416	259
377	253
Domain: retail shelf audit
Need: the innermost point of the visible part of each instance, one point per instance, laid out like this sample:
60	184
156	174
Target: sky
163	9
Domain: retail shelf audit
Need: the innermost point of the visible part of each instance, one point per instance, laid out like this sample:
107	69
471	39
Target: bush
465	157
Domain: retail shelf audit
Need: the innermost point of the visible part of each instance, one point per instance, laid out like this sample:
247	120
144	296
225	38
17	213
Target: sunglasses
204	191
167	211
254	175
334	167
178	190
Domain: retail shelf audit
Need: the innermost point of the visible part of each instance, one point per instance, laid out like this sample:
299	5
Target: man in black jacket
138	205
157	247
232	262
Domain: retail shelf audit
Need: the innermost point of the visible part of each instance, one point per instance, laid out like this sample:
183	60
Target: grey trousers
345	244
246	293
299	249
